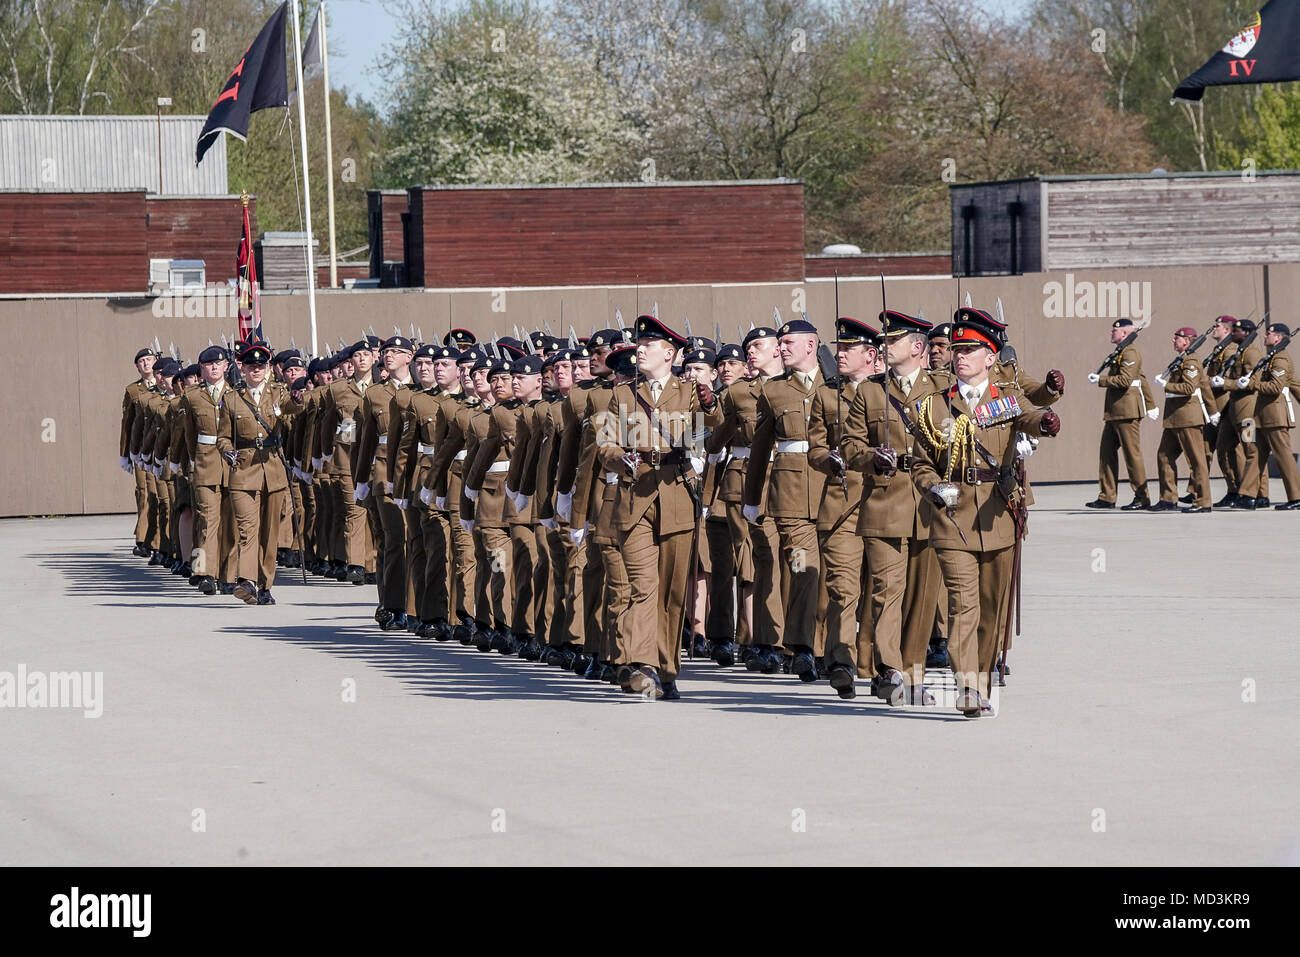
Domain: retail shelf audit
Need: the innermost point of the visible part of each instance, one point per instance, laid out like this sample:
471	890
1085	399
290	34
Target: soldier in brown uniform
370	477
843	550
527	557
144	363
661	421
201	411
293	377
1275	416
794	490
178	461
1122	428
1240	415
968	472
759	595
1186	415
319	503
585	575
338	432
880	441
1217	437
249	438
709	602
150	406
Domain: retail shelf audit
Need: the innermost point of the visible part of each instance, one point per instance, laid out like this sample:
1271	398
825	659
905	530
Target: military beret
255	352
798	327
334	361
700	355
605	337
550	344
622	361
357	346
1245	325
425	351
295	362
941	330
1279	328
497	367
447	352
316	367
460	337
142	353
648	327
302	382
212	354
279	357
758	332
191	370
730	351
399	342
1187	331
526	365
1226	320
849	331
473	354
699	342
513	346
167	367
372	342
1121	323
895	323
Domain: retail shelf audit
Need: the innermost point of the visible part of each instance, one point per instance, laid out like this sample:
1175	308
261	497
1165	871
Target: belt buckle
905	463
969	475
655	457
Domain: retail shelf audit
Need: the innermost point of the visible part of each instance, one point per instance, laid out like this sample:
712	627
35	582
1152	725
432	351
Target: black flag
257	83
1265	50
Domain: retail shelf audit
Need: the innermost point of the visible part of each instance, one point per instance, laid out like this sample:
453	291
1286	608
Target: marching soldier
939	347
1275	416
657	506
201	411
1186	415
1122	428
882	442
249	438
338	432
794	492
144	364
1241	414
969	473
1217	436
843	550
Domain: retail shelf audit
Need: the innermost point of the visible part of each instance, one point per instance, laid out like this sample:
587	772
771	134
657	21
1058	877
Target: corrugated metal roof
62	153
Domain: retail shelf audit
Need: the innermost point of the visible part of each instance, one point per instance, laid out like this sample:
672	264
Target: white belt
1201	399
1137	384
207	439
499	467
792	447
425	449
460	456
740	451
383	440
611	478
1290	410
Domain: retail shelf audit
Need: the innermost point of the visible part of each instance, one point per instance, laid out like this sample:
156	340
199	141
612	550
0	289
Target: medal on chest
996	411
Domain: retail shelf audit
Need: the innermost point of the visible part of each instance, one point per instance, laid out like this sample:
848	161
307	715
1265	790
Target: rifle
1196	344
839	402
884	333
1268	356
1227	340
1118	350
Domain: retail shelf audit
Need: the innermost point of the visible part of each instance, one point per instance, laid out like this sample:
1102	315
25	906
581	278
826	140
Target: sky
359	30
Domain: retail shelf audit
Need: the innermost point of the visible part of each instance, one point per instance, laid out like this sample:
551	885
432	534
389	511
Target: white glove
124	463
946	492
467	524
471	494
191	465
156	470
1161	381
550	524
402	503
175	469
1153	414
697	464
134	459
388	488
1025	446
704	511
1094	378
1243	382
329	459
315	465
1217	381
360	492
426	495
440	503
521	502
564	506
511	494
576	535
1215	417
751	514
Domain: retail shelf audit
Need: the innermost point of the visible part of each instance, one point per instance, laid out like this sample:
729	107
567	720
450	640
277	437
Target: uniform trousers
496	559
395	592
1276	442
977	601
141	506
720	619
1123	435
257	529
1191	443
463	590
1239	424
742	553
350	522
844	569
801	559
903	580
769	577
523	572
206	559
658	566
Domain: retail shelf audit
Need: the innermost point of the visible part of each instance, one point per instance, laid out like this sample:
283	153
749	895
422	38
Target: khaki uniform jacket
1219	367
892	506
666	485
152	440
128	413
370	455
340	411
588	480
1184	393
410	425
452	434
497	445
582	403
981	512
523	457
739	411
830	413
139	412
176	451
201	416
1122	399
794	487
1275	389
255	469
542	478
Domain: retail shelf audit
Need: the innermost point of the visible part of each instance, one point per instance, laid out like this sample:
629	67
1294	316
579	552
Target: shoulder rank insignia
1002	409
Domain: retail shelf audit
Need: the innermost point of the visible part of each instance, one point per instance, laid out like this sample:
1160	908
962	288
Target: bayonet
997	307
776	316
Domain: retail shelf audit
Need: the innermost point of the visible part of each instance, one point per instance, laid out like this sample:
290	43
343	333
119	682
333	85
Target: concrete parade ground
1151	718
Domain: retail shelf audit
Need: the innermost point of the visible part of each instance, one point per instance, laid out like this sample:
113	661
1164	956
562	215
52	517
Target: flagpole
329	147
306	183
